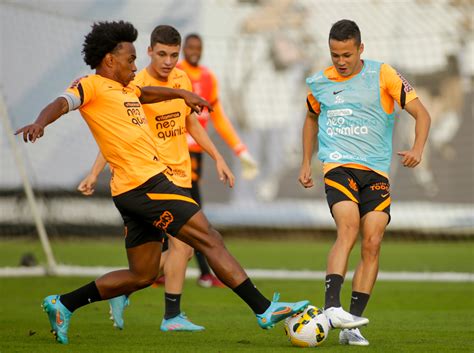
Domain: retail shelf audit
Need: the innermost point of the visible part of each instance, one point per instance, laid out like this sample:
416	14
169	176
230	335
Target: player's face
192	51
345	56
123	63
163	59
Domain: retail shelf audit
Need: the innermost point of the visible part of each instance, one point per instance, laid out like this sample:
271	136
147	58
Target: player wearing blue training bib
351	110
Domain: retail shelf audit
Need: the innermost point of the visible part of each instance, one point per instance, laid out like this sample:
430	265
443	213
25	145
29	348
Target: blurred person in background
351	110
205	84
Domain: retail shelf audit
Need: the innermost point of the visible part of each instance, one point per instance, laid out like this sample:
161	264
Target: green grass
405	317
307	254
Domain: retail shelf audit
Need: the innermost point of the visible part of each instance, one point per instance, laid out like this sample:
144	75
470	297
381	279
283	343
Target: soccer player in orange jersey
149	203
351	111
169	122
205	84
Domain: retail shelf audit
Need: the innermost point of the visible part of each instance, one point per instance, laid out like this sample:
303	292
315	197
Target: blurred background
261	52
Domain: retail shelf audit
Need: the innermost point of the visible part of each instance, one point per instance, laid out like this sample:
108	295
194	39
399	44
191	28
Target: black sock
202	263
333	290
252	296
80	297
358	303
172	305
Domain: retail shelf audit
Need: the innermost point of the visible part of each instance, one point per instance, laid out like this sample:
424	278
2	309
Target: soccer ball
309	328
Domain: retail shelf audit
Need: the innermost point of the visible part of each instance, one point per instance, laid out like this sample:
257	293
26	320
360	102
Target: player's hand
249	165
87	185
410	159
225	175
31	132
305	177
195	102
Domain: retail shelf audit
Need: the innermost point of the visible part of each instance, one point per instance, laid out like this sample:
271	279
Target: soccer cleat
352	337
339	318
117	306
59	317
209	280
278	311
179	323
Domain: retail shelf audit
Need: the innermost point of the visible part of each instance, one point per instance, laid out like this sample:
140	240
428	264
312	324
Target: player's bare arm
417	110
200	135
87	185
310	130
154	94
49	114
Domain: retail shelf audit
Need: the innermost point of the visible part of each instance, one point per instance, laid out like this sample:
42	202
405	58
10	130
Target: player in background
149	203
169	121
351	110
205	85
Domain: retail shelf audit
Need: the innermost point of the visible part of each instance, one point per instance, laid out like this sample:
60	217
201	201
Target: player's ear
150	51
108	59
361	48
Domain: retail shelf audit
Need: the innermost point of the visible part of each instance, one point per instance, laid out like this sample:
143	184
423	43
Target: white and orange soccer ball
309	328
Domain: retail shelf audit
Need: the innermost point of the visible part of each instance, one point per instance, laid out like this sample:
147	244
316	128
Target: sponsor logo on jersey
335	155
76	82
167	126
132	104
406	85
347	130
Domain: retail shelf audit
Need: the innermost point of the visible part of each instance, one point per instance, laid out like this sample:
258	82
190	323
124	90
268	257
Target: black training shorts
153	208
370	190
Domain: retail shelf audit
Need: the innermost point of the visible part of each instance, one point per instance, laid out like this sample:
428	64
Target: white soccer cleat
352	337
339	318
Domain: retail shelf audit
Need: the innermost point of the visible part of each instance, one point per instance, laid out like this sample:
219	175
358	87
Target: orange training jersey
116	119
167	121
393	87
205	84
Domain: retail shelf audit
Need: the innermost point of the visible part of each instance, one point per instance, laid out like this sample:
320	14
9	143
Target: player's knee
215	238
348	229
144	280
371	247
347	235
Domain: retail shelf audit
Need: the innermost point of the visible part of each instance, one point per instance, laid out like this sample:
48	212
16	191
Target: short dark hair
166	35
345	29
193	36
104	38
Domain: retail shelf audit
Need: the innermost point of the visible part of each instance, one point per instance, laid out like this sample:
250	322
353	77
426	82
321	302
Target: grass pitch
405	316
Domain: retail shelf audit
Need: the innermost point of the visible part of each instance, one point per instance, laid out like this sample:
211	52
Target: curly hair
104	38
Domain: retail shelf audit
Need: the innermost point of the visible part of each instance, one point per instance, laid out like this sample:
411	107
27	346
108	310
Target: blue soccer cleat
59	317
278	311
117	306
179	323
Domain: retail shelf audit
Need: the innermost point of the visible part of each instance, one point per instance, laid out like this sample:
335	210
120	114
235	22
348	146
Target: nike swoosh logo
59	322
329	280
355	298
385	195
173	300
283	311
337	92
